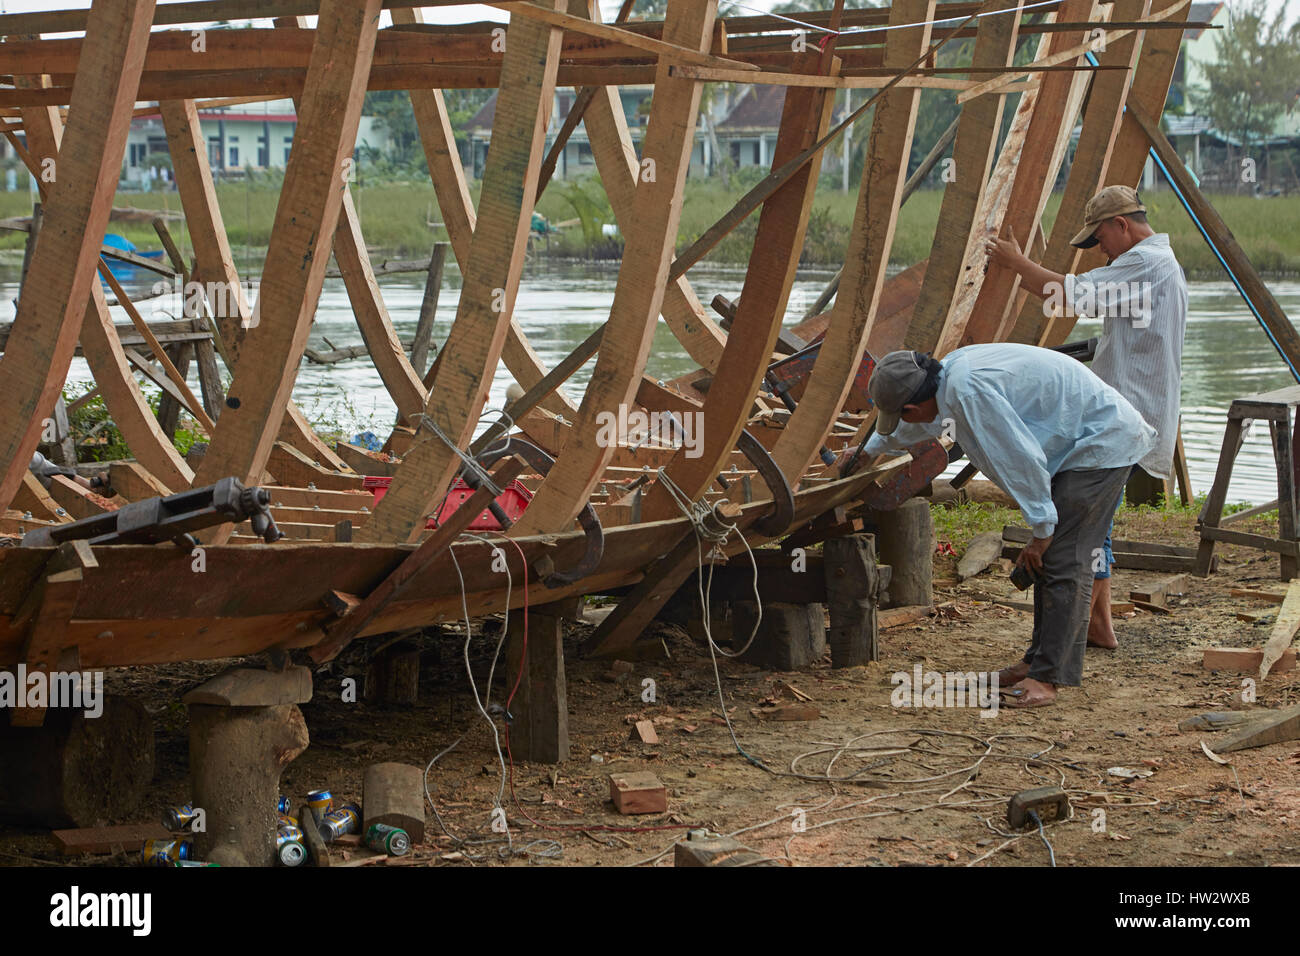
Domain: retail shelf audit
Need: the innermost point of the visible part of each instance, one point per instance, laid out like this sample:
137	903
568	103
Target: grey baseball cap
893	382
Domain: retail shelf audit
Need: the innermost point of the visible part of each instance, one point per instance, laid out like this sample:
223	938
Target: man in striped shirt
1141	296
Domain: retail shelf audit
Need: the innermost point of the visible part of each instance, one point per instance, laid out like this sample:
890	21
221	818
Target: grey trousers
1085	504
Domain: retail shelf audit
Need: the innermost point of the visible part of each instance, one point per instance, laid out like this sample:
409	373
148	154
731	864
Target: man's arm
1006	251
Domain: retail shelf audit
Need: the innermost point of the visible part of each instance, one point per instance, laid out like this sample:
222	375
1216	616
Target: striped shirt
1023	415
1142	299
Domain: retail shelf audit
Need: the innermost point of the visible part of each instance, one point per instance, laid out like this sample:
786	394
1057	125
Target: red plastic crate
513	501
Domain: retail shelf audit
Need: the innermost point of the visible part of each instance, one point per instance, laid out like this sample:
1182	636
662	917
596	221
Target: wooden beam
294	271
61	273
642	278
1102	117
491	274
428	310
972	155
1055	104
769	277
868	254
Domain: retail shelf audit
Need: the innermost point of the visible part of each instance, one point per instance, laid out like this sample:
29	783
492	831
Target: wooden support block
128	837
130	480
1152	608
1244	660
639	792
393	676
249	687
540	727
1278	727
78	501
317	849
644	731
854	584
393	794
75	770
905	539
790	636
1121	607
32	497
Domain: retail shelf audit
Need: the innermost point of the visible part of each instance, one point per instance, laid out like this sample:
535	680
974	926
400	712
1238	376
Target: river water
1227	355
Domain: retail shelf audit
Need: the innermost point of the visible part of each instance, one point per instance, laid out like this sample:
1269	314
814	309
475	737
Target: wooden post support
905	537
393	676
62	270
245	728
393	794
539	713
789	636
853	588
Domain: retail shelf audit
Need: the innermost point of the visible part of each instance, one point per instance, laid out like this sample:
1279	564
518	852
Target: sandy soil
939	777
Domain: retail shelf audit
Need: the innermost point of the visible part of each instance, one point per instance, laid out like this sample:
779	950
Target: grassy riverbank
396	216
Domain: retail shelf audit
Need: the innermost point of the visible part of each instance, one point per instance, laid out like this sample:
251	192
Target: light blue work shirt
1022	414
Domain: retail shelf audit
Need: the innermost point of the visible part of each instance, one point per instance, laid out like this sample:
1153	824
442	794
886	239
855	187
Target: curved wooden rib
62	270
216	270
1101	123
868	253
620	169
458	215
492	265
1056	105
1150	88
972	155
103	352
305	217
642	277
778	243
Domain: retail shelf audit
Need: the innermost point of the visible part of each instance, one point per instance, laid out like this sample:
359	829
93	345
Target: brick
129	837
639	792
644	731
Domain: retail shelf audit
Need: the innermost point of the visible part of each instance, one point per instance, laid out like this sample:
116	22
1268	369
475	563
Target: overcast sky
478	12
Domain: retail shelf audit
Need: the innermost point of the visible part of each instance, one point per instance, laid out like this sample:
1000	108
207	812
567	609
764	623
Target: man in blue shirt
1054	437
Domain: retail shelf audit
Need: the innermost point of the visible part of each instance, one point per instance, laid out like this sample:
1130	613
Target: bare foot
1100	631
1101	634
1034	693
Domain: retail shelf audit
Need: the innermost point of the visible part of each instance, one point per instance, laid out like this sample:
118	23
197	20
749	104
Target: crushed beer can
165	852
336	823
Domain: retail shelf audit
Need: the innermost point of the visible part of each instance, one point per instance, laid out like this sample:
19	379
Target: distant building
254	136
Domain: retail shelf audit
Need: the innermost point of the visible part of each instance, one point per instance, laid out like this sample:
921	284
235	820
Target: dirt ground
939	777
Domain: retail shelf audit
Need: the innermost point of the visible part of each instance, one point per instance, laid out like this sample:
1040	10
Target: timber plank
1284	629
491	280
868	253
294	271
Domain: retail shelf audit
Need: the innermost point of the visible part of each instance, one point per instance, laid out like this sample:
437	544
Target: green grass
395	216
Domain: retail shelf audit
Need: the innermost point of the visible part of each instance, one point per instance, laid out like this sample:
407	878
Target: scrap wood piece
340	633
1216	720
1276	727
1244	660
714	850
1272	597
1159	592
1152	608
107	839
984	549
1259	617
795	711
1284	629
898	616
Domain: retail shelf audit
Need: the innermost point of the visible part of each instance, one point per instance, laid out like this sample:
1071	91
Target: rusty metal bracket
587	519
777	521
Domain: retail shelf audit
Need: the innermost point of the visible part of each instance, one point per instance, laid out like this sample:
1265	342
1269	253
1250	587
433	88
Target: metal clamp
587	519
778	520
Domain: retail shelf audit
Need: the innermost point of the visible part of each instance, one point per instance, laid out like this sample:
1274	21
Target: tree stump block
245	728
76	771
905	540
539	727
393	794
854	583
790	636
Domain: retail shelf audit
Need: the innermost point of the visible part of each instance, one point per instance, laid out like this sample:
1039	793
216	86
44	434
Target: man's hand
1031	556
1004	249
